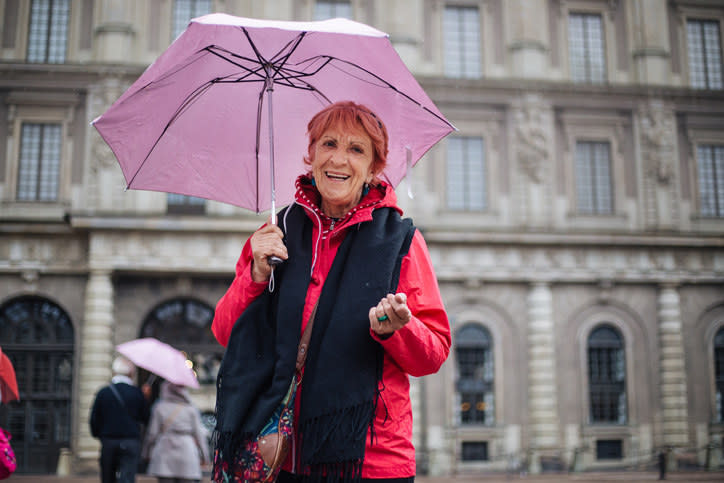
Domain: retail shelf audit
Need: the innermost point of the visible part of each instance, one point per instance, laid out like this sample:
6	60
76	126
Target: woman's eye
357	150
329	143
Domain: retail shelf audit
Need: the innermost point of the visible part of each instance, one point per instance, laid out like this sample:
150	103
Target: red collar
379	195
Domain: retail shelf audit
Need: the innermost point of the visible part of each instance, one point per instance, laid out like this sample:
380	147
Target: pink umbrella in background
200	120
161	359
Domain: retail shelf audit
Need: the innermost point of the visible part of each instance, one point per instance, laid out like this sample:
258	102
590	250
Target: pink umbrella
161	359
195	123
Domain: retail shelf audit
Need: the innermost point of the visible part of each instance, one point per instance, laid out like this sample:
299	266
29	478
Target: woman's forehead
353	133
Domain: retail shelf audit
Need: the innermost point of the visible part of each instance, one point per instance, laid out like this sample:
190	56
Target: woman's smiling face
341	165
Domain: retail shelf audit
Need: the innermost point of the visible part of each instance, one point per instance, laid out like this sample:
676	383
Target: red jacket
417	349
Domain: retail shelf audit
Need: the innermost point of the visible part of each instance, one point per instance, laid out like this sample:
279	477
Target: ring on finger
383	318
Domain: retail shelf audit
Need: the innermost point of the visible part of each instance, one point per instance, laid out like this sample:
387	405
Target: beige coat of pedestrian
175	441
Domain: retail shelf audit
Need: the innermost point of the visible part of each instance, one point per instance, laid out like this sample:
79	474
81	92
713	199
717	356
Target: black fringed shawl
344	364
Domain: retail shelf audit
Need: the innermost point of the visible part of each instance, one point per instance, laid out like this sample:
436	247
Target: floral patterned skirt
248	465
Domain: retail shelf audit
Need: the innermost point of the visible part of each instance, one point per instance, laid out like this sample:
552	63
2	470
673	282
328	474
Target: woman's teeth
337	176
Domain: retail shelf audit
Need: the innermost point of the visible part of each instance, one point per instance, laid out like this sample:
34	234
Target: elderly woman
365	275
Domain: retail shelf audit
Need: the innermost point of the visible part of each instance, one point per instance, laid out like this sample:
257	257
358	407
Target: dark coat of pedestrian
118	412
175	442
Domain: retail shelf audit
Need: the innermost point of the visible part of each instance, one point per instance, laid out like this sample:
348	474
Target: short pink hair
350	116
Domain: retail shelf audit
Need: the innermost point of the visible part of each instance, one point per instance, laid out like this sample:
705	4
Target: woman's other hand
390	314
265	242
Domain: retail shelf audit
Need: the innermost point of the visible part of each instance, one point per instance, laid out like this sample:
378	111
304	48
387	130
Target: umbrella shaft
270	90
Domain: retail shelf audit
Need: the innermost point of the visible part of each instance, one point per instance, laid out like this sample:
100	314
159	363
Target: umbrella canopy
159	358
8	381
200	120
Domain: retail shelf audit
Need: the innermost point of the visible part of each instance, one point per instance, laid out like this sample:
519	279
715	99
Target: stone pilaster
675	431
528	47
114	32
651	47
542	393
96	356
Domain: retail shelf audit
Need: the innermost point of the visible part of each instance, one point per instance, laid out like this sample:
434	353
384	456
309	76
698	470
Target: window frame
608	12
48	34
36	108
466	162
188	207
480	32
588	80
349	3
719	202
624	383
698	135
703	19
488	354
682	14
597	127
490	126
718	386
38	196
487	316
596	210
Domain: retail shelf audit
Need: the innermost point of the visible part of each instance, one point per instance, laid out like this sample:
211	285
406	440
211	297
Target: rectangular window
324	10
39	169
184	11
475	451
48	32
593	178
185	205
466	179
705	68
710	162
586	48
609	449
461	42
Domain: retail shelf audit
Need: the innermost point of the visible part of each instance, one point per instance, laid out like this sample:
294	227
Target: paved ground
486	478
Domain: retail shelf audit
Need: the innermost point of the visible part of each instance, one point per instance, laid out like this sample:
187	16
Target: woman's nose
338	157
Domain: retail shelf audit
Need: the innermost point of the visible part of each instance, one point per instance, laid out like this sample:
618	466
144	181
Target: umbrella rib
184	105
250	71
388	84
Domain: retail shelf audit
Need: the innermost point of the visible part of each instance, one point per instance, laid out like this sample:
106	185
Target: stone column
96	353
114	33
651	49
675	430
528	47
542	391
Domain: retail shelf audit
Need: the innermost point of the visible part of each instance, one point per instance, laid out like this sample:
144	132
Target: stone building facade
575	221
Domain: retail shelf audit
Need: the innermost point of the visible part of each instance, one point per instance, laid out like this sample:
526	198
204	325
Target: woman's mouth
336	176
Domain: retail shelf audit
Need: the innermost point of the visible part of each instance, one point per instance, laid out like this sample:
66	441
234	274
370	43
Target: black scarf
344	364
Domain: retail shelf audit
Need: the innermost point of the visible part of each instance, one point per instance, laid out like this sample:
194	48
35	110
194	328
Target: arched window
37	336
474	351
719	374
185	324
607	376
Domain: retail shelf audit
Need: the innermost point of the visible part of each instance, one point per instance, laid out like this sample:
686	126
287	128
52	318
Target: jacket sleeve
421	346
242	291
95	425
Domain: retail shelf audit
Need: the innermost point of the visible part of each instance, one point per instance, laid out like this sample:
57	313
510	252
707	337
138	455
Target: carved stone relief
658	132
531	141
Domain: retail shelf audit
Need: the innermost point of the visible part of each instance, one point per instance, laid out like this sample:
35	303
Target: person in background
119	410
351	259
175	442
